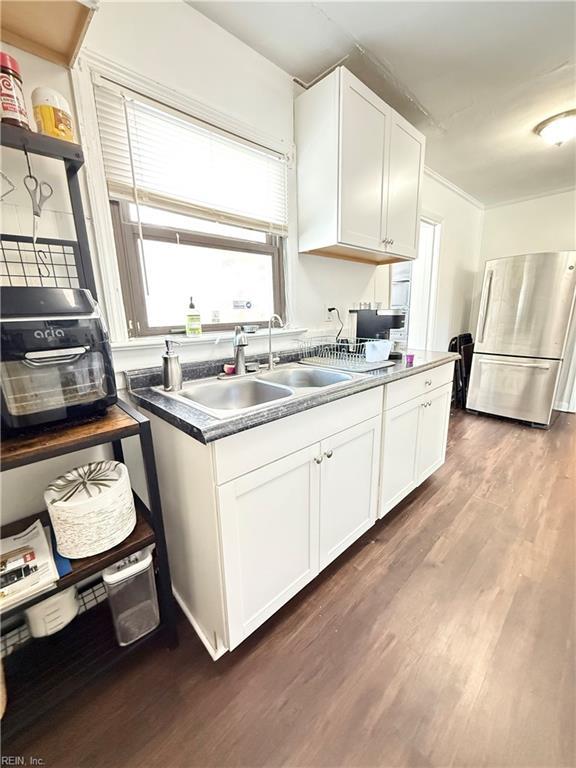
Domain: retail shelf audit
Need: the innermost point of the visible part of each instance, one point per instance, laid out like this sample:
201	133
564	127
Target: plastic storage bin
132	596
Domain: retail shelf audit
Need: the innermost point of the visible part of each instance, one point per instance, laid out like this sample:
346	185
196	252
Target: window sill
147	352
213	337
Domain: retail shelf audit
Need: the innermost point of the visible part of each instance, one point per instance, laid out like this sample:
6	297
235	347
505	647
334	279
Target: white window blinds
155	156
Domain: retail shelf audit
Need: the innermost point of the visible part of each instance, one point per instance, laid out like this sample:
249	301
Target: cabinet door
269	538
364	120
348	487
399	454
401	208
433	431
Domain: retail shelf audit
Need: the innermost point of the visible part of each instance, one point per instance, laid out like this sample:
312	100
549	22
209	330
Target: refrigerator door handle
542	366
485	303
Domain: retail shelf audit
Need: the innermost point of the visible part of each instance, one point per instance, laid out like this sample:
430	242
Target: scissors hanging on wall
40	192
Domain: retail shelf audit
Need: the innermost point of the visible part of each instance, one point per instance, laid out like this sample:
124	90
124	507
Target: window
196	212
234	274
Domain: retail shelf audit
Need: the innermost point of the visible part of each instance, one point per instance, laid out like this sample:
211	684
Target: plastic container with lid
52	614
12	104
52	114
132	596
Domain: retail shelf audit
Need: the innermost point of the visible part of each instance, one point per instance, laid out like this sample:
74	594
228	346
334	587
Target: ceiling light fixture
558	129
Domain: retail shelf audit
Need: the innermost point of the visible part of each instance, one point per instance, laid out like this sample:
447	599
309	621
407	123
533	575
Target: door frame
431	315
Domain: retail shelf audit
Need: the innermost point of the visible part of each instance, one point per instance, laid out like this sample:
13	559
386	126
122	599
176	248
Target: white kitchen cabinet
282	523
364	129
401	205
269	538
399	453
349	487
360	168
433	431
252	518
414	436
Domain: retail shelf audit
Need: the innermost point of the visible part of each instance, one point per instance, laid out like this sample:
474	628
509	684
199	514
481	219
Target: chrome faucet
240	342
271	359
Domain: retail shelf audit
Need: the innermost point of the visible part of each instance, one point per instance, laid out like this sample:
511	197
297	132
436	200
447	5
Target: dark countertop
206	427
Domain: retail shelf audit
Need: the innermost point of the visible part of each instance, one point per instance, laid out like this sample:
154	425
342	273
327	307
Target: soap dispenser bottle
193	322
171	368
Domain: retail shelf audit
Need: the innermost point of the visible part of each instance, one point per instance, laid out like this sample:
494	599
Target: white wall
531	226
172	43
15	210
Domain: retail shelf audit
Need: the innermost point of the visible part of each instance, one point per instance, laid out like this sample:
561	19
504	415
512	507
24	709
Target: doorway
421	320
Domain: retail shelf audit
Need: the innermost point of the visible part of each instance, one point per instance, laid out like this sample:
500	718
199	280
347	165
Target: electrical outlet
327	316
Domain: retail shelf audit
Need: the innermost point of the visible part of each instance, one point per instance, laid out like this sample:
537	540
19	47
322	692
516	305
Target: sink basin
305	377
235	395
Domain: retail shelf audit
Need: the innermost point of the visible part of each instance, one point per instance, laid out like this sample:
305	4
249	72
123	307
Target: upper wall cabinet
54	31
360	168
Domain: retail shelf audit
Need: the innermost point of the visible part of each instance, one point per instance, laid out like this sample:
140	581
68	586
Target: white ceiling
475	77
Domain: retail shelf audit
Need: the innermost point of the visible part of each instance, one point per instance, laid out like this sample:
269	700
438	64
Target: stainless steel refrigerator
525	310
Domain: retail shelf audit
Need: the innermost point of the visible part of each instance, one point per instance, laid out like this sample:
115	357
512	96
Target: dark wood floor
443	638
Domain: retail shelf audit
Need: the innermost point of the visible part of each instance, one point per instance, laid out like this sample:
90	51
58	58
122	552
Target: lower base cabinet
269	538
413	444
433	432
284	522
349	487
252	518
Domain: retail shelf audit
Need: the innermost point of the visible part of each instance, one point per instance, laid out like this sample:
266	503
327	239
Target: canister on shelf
52	614
132	596
12	104
52	114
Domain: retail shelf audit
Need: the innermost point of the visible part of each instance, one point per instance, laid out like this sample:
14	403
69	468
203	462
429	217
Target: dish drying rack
342	354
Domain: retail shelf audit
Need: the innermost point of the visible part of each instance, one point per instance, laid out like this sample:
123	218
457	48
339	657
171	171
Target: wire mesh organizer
343	354
49	263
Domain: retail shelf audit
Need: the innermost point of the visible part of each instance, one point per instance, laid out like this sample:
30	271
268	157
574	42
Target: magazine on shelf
27	566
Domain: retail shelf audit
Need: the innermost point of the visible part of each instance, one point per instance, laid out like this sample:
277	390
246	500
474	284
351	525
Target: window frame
127	236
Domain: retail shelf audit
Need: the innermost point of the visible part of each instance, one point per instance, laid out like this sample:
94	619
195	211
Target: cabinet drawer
399	392
238	454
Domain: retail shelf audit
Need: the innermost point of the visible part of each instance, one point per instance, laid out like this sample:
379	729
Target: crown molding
527	198
453	188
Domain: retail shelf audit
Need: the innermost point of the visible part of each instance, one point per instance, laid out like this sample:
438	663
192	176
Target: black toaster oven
56	361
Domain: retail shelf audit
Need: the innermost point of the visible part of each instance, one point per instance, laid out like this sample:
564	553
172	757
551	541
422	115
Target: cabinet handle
329	454
318	459
392	241
428	382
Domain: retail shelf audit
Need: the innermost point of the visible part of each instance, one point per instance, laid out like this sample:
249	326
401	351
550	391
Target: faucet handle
240	339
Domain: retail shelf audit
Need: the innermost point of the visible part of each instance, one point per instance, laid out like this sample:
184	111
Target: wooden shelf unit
56	441
51	29
63	664
32	143
141	537
46	671
14	137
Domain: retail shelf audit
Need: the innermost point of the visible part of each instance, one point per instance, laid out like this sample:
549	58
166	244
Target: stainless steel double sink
227	396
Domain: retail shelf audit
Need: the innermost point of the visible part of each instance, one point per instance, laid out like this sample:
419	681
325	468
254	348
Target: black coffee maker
377	324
